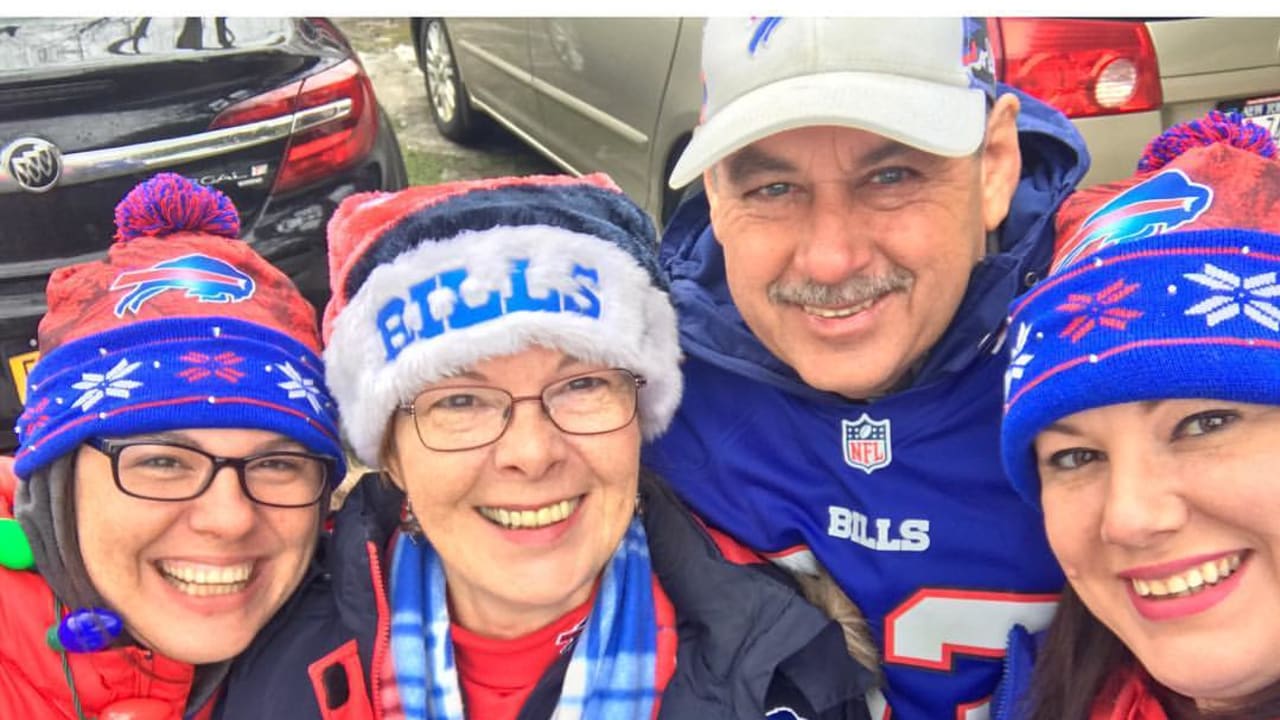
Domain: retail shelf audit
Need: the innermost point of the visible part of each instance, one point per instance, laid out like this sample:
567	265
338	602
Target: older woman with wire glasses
500	349
176	449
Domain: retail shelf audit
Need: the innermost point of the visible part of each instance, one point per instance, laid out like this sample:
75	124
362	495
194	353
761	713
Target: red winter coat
119	684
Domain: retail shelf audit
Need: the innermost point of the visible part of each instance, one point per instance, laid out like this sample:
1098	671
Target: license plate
1264	112
19	367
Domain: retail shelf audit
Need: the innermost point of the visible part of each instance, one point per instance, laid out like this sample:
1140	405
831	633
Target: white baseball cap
921	81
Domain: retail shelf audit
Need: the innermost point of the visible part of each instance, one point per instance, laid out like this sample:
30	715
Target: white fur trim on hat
602	307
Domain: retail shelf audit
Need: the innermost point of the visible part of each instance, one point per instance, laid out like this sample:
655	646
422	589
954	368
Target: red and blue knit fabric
1164	285
181	326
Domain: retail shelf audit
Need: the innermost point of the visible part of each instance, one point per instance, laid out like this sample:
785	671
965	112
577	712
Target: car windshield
49	43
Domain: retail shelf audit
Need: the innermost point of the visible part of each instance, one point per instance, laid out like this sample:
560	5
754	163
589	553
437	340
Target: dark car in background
277	113
622	95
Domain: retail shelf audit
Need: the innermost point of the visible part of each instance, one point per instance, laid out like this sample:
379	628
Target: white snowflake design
1250	296
97	386
1021	359
300	387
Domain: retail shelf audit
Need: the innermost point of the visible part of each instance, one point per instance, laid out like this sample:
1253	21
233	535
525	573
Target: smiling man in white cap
873	200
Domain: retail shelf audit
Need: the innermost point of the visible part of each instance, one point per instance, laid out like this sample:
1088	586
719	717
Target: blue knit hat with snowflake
1164	285
180	326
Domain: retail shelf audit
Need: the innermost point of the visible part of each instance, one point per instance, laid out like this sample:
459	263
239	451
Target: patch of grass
425	168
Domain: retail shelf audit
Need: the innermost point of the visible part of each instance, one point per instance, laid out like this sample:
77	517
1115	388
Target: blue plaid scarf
611	675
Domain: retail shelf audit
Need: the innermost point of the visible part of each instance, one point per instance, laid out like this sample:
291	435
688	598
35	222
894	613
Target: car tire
446	95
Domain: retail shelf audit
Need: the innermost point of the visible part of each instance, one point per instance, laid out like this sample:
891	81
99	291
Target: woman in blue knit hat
177	447
500	348
1143	415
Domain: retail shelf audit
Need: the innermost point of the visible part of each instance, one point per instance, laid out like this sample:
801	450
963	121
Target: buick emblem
34	163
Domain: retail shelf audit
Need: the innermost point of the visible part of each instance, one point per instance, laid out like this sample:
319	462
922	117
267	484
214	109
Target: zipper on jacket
382	640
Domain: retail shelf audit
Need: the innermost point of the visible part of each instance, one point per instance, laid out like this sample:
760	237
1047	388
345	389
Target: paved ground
386	49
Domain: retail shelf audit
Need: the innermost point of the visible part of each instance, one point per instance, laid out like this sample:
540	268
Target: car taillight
335	126
1081	67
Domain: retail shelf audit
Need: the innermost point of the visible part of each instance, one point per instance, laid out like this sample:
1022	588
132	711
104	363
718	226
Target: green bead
15	551
51	639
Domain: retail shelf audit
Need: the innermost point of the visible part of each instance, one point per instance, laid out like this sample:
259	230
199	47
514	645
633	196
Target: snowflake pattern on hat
1250	296
112	383
1099	310
298	386
1020	358
202	365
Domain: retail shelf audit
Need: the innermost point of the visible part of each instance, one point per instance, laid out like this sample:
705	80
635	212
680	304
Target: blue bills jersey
903	498
913	516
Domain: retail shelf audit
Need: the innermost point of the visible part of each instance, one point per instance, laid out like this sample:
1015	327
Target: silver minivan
622	95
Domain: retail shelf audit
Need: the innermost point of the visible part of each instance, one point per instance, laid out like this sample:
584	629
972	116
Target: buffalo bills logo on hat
976	56
867	445
1157	205
760	36
202	278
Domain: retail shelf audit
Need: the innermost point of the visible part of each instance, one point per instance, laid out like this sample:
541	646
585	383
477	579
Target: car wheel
450	109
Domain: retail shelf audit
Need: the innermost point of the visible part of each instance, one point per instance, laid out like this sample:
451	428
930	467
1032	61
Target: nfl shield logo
866	443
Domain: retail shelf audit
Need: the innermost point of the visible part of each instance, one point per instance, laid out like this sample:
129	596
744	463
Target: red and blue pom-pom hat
182	325
1164	285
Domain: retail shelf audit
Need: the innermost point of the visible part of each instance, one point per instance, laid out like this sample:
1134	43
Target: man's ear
1001	160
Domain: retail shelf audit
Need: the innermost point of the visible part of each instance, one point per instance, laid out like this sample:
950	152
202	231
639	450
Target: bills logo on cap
867	444
1159	204
203	278
977	57
760	36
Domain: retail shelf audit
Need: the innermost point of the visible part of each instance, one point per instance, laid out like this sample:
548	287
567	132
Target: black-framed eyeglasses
466	417
173	472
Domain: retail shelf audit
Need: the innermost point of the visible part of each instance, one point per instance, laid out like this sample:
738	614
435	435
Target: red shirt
1127	697
498	675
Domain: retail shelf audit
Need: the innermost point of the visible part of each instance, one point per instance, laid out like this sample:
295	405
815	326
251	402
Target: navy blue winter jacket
902	498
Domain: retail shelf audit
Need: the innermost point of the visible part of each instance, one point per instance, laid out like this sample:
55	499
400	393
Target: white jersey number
935	625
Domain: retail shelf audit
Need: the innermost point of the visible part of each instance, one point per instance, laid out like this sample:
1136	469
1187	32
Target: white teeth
532	519
205	580
1188	582
1210	572
838	312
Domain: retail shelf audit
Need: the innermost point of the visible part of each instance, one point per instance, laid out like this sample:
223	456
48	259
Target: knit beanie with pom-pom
182	325
1164	285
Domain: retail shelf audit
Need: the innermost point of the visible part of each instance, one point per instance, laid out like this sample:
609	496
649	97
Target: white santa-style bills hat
429	281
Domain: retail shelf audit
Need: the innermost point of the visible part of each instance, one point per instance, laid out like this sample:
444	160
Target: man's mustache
854	291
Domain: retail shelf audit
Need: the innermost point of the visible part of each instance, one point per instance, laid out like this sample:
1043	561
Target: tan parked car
622	95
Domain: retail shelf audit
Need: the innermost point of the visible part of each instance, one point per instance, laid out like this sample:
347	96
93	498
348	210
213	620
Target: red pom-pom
169	203
1216	127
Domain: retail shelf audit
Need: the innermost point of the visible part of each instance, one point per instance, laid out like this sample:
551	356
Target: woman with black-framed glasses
501	349
177	449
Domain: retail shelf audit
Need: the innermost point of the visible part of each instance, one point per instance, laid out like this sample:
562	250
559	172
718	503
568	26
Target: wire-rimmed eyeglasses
465	417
